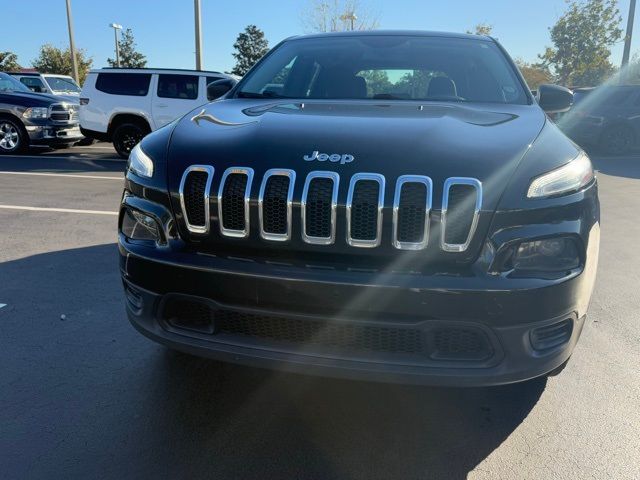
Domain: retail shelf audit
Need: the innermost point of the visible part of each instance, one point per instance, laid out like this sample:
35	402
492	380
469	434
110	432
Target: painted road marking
70	175
3	305
61	210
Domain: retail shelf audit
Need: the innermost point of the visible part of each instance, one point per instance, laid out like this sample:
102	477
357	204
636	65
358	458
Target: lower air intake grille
233	201
321	333
411	212
364	210
460	344
551	336
274	209
436	343
318	207
194	197
460	213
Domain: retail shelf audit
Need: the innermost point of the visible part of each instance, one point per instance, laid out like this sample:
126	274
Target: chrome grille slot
194	197
364	210
274	204
411	208
461	204
319	200
233	201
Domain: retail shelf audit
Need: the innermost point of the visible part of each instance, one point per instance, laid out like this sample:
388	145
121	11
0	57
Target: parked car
123	105
606	118
434	227
28	118
62	86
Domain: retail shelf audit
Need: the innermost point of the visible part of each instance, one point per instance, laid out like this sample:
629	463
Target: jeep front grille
412	204
274	204
233	201
195	188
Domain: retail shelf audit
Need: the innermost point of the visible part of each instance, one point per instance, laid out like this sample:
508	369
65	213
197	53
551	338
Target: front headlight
561	181
140	163
36	112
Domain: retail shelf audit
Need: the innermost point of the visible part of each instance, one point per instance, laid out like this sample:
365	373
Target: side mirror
554	98
220	87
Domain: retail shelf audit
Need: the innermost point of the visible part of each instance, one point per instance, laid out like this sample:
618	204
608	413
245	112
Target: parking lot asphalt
83	395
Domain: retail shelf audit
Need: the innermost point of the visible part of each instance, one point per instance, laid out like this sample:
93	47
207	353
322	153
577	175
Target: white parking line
71	175
61	210
3	305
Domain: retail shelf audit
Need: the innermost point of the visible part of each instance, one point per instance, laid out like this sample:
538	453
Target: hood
485	142
29	99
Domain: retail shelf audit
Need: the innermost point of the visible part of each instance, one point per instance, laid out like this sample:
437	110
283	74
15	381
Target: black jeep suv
386	205
28	118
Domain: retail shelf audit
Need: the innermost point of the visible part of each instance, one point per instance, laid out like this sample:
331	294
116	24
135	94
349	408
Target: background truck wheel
13	138
616	140
127	136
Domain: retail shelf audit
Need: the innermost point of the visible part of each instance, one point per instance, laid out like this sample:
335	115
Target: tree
632	75
8	62
582	40
337	16
481	29
56	60
534	73
129	56
250	47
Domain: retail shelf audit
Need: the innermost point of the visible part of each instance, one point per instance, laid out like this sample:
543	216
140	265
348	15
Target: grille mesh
460	344
318	208
438	343
194	190
462	201
274	206
233	192
411	212
320	333
364	210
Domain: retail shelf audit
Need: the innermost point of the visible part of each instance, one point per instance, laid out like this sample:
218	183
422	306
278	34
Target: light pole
72	45
196	9
116	27
627	38
349	16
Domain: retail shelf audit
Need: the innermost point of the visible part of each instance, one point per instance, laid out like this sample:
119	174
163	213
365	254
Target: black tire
616	140
126	136
13	137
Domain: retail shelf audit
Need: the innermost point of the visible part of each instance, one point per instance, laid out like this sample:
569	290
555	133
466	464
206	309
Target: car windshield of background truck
387	67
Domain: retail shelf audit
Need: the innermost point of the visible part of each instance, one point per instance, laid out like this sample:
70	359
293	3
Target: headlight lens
36	112
557	254
566	179
140	163
138	226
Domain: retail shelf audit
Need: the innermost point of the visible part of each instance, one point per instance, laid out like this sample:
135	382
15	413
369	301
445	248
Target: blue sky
164	28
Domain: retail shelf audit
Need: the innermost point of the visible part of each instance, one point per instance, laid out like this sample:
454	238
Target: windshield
10	84
58	84
387	67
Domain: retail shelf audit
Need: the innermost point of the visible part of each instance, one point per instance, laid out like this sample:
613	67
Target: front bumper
504	315
54	134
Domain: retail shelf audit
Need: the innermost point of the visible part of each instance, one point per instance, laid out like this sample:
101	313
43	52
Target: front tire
127	136
13	138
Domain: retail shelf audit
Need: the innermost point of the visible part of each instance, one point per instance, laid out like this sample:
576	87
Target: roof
399	33
152	70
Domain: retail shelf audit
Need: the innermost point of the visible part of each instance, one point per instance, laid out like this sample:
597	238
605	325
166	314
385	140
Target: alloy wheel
9	136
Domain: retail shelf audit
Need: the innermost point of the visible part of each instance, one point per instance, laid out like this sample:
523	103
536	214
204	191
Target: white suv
122	105
59	85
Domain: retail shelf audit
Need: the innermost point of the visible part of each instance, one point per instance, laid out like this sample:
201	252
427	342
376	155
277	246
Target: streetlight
116	27
72	45
349	16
